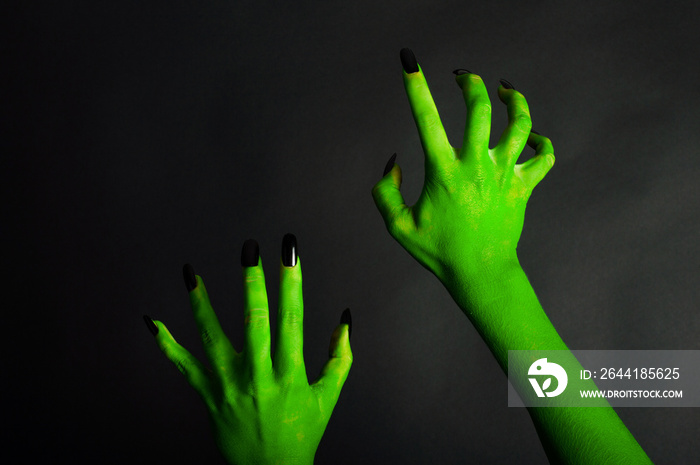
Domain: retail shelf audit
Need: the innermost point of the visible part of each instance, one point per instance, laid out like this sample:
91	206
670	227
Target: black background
144	135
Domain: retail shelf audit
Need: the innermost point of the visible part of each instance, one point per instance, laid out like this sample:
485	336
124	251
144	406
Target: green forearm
504	309
586	435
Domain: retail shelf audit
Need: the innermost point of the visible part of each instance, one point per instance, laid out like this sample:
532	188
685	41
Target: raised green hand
465	228
470	213
262	409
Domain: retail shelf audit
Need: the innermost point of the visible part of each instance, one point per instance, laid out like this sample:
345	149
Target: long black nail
346	319
151	325
389	165
408	61
506	84
460	71
250	253
190	279
535	132
289	250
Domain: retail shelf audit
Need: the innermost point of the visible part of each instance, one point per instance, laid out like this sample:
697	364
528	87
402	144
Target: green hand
465	228
262	410
470	213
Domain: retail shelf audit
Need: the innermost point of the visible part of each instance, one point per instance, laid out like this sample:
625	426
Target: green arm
465	228
262	409
508	316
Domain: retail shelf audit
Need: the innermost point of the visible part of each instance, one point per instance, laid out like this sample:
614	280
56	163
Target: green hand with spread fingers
465	228
262	408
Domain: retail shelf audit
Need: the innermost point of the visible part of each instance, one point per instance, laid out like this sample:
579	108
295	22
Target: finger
514	137
436	147
535	169
336	369
478	127
387	196
257	318
217	346
289	350
196	374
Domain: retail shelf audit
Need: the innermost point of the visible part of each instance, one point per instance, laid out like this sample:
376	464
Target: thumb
197	375
336	369
387	196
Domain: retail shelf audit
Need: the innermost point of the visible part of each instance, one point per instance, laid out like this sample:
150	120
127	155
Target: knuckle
405	221
257	389
230	392
291	317
183	365
395	226
547	146
480	107
208	337
257	318
428	120
522	122
254	277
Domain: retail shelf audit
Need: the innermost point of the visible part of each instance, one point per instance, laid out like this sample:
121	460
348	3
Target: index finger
436	147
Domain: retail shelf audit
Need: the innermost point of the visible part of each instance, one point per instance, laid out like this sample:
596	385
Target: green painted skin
465	228
262	409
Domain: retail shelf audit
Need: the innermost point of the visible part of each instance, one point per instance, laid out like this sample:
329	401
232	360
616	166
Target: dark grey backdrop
149	134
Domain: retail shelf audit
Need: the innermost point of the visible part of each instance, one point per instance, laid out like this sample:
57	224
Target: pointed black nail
535	132
250	253
408	61
389	165
289	250
190	279
506	84
151	325
346	319
459	72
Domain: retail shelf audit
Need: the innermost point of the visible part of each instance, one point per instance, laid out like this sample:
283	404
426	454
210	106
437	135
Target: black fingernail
190	279
535	132
346	319
506	84
289	250
459	72
151	325
250	253
389	165
408	61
